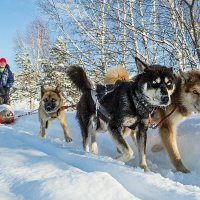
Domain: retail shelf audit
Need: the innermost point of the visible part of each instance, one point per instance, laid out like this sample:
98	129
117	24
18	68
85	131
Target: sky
15	15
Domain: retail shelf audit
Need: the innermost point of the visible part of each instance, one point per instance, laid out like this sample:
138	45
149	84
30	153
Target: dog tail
115	74
79	78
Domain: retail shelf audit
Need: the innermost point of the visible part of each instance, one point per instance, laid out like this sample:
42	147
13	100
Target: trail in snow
34	168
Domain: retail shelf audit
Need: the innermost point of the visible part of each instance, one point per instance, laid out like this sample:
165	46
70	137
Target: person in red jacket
6	81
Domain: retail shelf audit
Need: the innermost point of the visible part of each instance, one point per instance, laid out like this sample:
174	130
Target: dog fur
51	102
128	112
113	75
186	97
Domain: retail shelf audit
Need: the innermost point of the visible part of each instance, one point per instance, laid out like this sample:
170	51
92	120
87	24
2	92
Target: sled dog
50	109
184	100
126	104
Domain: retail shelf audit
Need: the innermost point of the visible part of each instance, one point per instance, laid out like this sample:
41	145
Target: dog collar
144	109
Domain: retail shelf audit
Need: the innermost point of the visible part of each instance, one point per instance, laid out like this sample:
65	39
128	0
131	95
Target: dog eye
45	100
169	83
154	82
195	92
53	100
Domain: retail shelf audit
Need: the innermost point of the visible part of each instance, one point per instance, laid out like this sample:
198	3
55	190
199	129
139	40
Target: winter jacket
7	78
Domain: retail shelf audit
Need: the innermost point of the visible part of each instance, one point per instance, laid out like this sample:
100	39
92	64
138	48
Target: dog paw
94	148
180	167
40	135
118	151
68	139
87	148
145	168
119	158
125	158
184	170
157	148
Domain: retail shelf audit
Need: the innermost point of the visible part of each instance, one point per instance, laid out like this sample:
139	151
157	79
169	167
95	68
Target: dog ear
141	66
183	75
58	88
42	90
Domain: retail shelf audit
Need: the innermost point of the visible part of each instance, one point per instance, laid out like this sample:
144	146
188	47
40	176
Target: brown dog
50	109
184	100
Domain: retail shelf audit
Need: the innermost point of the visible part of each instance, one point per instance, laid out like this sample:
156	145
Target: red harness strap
164	118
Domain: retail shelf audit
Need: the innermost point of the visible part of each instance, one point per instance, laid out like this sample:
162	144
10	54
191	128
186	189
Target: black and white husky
129	104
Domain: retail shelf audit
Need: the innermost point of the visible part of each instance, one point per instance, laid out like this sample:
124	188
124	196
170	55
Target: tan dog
185	100
50	109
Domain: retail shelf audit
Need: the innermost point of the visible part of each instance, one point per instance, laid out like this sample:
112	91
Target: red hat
3	60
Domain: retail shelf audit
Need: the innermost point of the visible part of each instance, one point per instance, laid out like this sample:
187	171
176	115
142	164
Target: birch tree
30	49
104	33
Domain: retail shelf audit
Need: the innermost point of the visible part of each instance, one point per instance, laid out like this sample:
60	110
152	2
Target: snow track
32	168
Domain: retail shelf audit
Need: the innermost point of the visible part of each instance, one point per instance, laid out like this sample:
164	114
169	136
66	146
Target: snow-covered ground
32	168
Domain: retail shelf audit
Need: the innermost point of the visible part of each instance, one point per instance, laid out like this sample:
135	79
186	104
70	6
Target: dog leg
122	145
92	133
168	136
94	144
141	144
126	131
42	132
65	129
134	136
84	131
86	143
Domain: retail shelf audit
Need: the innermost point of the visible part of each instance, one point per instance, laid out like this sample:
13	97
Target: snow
50	169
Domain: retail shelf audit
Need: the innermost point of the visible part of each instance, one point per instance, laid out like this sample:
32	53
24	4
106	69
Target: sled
7	115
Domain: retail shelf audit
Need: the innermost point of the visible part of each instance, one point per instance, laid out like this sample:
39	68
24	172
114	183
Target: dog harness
144	109
58	111
98	106
98	96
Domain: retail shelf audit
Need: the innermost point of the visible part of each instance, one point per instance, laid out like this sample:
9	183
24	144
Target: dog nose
48	108
165	99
